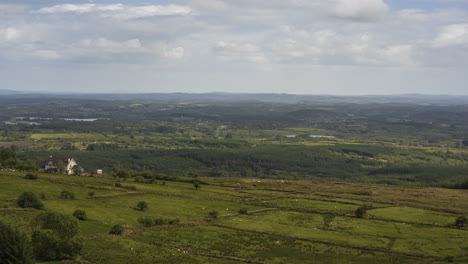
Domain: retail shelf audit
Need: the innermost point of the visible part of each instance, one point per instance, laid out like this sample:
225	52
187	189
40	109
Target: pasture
285	222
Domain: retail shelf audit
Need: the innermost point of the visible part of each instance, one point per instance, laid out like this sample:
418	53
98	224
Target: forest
387	140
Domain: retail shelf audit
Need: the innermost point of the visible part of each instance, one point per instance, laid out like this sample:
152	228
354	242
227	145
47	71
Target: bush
461	222
146	221
140	179
31	176
123	174
117	230
91	194
80	215
67	195
56	236
213	214
361	212
15	246
43	195
327	220
174	221
243	211
159	221
142	206
29	199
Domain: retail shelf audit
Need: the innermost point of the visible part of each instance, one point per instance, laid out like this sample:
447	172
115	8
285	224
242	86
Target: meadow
283	221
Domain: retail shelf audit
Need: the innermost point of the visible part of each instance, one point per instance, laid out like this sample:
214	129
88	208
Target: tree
31	176
55	236
29	199
213	214
243	211
117	230
80	215
196	185
461	222
67	195
60	166
124	174
15	247
361	212
142	205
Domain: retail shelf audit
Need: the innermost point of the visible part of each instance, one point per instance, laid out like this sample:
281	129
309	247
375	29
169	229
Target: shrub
461	222
67	195
146	221
213	214
174	221
80	215
361	212
123	174
29	199
43	195
31	176
56	236
142	205
130	187
91	194
118	185
117	230
15	246
327	220
243	211
159	221
140	179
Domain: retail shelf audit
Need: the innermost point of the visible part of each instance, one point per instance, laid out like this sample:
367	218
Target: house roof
54	160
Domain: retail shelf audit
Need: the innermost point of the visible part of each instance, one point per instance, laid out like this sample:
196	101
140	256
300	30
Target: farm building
59	164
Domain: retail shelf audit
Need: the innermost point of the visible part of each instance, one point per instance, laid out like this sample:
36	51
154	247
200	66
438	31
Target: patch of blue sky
426	4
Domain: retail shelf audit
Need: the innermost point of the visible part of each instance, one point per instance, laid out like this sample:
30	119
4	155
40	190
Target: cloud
359	10
452	35
209	5
230	51
47	54
10	33
174	53
398	54
118	11
113	46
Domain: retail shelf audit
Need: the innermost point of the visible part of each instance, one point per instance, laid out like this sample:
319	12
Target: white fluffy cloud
231	51
361	10
174	53
113	46
233	36
9	34
452	35
118	11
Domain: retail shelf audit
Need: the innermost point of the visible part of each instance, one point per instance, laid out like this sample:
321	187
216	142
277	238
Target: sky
337	47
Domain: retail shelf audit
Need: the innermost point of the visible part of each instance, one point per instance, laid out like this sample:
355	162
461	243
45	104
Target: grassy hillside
286	221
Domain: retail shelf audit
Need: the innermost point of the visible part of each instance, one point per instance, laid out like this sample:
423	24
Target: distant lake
81	119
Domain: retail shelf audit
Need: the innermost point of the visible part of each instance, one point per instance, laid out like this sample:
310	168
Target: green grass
293	231
414	215
75	136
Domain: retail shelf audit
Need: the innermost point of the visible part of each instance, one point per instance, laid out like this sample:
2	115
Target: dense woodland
389	140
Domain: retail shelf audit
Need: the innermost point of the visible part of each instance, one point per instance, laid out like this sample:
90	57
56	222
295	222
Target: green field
288	221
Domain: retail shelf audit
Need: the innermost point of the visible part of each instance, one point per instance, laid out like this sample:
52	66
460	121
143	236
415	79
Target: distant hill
9	92
418	99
